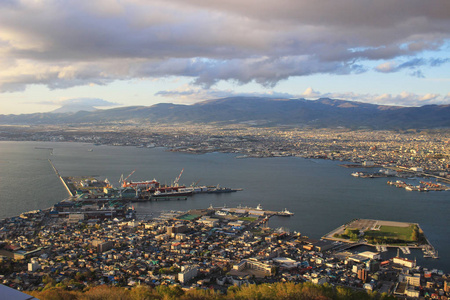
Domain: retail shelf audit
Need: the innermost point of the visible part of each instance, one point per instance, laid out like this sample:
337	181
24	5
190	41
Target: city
212	248
217	247
428	150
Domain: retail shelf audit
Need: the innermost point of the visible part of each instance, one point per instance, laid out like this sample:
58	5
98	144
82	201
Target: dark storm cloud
68	43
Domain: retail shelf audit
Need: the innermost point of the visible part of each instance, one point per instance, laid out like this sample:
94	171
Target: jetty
66	186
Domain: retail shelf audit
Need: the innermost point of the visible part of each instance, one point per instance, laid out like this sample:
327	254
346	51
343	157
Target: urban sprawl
219	247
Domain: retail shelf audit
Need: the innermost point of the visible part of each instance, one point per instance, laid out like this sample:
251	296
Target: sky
109	53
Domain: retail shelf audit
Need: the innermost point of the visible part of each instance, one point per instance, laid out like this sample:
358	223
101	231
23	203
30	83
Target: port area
258	211
349	166
424	186
244	216
382	234
84	184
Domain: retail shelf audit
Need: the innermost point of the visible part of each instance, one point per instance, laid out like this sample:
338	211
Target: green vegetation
188	217
393	235
276	291
250	219
349	234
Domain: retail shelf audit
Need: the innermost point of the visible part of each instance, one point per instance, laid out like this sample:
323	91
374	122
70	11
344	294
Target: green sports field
392	232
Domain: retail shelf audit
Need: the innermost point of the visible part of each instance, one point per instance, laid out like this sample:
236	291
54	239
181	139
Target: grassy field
250	219
402	233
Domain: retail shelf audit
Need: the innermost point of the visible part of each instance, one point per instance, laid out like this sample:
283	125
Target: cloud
188	94
97	102
62	44
402	99
412	64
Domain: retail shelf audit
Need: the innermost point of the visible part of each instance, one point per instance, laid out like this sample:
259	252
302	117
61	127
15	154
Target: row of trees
276	291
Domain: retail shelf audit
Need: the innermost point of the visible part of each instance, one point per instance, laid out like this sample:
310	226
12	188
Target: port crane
175	183
121	180
194	184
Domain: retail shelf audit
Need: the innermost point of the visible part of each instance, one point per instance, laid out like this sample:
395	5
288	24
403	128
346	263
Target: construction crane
175	183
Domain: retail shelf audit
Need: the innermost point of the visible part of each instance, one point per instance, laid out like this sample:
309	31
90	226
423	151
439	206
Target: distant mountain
73	108
258	111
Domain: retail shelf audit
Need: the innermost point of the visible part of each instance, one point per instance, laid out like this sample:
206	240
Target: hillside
319	113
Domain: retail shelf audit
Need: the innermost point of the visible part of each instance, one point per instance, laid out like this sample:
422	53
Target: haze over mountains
321	113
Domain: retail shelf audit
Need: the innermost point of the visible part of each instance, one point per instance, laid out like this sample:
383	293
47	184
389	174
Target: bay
322	195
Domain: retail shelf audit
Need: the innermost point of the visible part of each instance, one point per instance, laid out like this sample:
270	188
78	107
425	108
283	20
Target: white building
187	273
404	262
254	265
32	267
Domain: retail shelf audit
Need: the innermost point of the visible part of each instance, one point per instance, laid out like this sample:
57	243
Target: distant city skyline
125	53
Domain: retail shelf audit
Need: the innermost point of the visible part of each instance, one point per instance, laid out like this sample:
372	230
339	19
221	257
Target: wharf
155	199
358	166
255	211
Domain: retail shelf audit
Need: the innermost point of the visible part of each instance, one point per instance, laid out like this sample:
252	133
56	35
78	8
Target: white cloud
188	94
97	102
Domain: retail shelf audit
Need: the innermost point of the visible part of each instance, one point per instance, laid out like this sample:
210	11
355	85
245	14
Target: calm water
320	193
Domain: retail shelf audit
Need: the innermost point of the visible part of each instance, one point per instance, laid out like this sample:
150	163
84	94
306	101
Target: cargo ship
173	192
148	184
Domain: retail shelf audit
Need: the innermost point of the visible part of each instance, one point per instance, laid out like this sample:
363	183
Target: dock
256	211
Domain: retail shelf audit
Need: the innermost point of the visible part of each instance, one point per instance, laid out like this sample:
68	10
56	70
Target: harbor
90	187
427	209
424	186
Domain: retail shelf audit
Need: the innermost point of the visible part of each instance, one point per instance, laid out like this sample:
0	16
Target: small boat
357	174
259	207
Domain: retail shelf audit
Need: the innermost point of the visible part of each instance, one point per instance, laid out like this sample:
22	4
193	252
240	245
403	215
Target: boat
141	184
357	174
285	213
218	190
259	207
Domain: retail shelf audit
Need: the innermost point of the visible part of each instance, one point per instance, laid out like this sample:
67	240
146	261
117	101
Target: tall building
362	274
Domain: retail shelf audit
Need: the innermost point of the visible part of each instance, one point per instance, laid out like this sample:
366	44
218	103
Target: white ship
285	213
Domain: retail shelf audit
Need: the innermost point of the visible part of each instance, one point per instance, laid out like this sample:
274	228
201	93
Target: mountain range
320	113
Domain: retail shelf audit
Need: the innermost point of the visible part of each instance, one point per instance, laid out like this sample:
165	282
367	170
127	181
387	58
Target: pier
255	211
61	178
